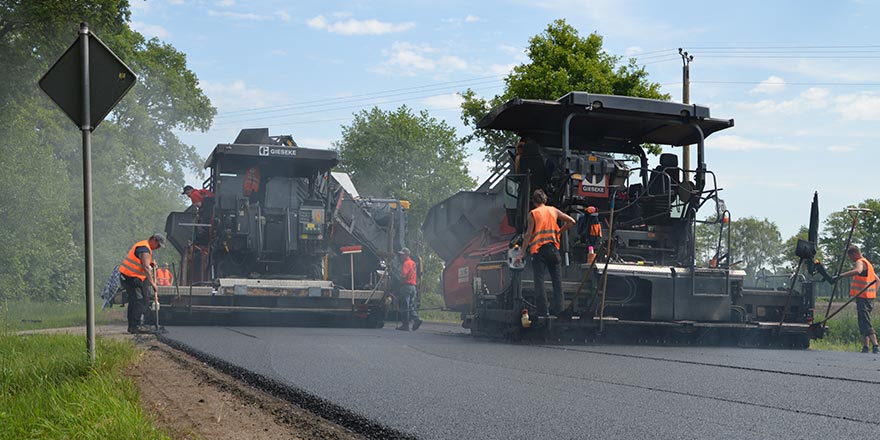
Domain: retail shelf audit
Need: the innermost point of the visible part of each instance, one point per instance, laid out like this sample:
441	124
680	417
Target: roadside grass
33	315
843	328
49	390
430	309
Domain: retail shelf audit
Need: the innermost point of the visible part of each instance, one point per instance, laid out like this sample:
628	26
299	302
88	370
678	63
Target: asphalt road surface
438	383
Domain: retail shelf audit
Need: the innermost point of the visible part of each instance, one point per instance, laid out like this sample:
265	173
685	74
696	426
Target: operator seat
532	162
668	167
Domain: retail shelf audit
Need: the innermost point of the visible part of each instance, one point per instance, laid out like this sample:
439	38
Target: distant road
439	383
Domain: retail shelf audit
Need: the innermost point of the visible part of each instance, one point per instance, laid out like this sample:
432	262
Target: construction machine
283	241
643	282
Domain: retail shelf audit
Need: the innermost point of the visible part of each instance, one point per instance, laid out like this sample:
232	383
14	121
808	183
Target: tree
866	235
408	156
757	243
138	160
560	62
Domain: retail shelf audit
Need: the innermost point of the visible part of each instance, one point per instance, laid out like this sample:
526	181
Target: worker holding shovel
864	287
137	277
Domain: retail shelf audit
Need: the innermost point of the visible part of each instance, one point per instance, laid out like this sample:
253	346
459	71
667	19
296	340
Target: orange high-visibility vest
251	181
131	265
546	230
595	226
163	277
408	272
859	282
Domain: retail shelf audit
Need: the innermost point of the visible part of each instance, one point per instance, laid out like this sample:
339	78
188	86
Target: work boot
876	349
416	324
405	328
865	349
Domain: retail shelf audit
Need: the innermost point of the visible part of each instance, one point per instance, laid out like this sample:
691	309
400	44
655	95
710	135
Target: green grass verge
843	328
31	315
49	390
430	306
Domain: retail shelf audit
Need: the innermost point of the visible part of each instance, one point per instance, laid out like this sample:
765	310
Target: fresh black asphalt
440	383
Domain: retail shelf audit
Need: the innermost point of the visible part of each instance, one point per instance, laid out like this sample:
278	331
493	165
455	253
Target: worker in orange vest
542	238
863	275
407	292
136	271
163	276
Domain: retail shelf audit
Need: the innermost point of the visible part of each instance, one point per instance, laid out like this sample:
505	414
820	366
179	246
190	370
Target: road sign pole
87	191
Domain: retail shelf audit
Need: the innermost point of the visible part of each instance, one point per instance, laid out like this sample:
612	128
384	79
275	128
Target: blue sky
800	78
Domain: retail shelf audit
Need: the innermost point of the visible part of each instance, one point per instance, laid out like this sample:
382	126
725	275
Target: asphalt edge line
307	401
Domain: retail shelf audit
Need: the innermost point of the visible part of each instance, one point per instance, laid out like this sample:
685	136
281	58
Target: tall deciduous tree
757	243
138	161
405	155
837	227
561	61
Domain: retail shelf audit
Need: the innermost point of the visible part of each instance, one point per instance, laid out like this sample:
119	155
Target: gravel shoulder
188	399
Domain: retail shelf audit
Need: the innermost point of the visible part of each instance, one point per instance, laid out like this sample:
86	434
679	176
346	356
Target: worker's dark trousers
863	308
547	258
137	299
407	302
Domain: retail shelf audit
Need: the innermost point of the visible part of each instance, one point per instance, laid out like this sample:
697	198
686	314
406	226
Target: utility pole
686	98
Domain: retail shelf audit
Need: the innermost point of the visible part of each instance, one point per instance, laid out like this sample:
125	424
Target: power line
380	93
788	83
227	124
783	47
790	56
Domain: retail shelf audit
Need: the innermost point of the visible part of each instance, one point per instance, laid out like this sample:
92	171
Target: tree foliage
408	156
757	243
138	161
561	61
866	235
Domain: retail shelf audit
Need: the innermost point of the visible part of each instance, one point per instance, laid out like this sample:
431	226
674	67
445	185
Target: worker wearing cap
407	293
163	276
203	200
542	238
863	275
197	196
136	275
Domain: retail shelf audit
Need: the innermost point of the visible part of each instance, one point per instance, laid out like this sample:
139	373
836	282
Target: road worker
863	275
164	276
407	293
542	239
136	271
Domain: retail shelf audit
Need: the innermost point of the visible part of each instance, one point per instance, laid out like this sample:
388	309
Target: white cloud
814	98
840	149
863	106
237	95
358	27
226	3
739	143
448	101
501	69
771	85
150	30
470	18
282	15
633	51
410	59
241	16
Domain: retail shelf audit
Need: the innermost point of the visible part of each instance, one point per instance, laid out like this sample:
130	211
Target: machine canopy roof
273	160
604	122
